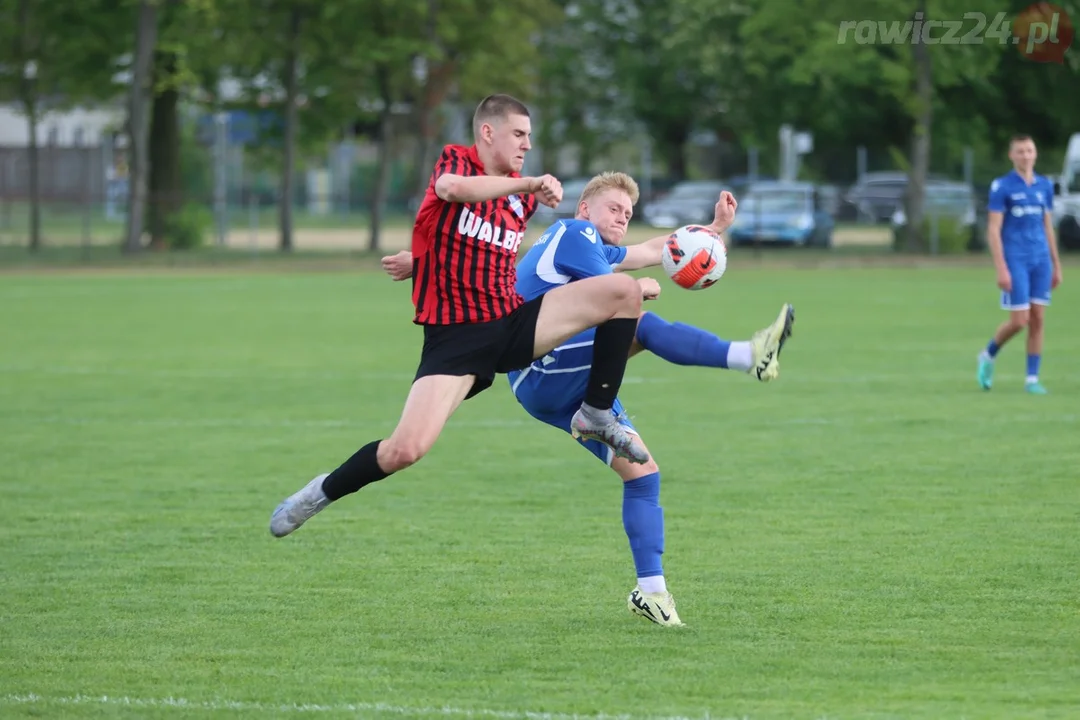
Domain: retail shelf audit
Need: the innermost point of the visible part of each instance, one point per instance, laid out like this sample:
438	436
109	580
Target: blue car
782	213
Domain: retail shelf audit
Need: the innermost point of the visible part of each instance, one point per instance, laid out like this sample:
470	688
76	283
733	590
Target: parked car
688	203
1068	231
829	199
572	190
876	195
950	200
782	213
1067	206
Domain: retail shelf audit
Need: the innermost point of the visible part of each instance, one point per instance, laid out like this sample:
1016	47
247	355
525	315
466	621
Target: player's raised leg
612	304
432	400
683	344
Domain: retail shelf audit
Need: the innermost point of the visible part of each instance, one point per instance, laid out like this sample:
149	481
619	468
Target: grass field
869	537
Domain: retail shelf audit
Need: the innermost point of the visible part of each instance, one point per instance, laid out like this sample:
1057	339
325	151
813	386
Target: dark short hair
497	107
1019	137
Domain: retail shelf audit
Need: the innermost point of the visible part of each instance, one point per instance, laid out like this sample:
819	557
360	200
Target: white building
77	127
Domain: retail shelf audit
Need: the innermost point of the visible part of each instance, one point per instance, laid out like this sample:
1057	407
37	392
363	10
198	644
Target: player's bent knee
625	295
398	453
1020	318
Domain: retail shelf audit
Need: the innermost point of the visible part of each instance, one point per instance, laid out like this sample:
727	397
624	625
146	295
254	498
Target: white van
1067	197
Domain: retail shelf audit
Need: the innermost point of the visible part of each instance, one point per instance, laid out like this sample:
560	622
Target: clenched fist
650	289
547	189
399	266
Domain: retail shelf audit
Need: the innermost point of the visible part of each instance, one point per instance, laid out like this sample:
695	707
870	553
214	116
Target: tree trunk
165	193
382	173
675	158
138	123
29	97
288	169
432	97
587	150
30	104
920	143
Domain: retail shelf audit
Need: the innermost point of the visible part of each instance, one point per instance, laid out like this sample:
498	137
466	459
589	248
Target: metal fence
83	191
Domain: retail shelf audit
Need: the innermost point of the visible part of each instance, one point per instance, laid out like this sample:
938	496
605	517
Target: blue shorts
1030	282
553	388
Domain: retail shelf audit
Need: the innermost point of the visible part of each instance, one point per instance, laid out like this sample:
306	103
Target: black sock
356	472
611	350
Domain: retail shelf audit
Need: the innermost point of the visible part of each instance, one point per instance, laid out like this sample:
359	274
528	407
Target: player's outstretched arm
398	267
649	253
643	255
483	188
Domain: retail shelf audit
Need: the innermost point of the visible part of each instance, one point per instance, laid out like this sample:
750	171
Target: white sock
652	585
985	356
740	356
1032	379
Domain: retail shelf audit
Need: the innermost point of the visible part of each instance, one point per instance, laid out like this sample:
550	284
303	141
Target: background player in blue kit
1020	233
587	246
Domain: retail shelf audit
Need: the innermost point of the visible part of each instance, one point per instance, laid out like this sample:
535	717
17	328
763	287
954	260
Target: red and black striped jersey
464	254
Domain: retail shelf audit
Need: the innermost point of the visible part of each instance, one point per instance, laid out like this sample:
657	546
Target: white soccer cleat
766	344
655	607
299	507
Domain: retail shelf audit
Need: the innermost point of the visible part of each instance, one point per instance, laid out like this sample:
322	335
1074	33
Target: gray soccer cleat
608	430
299	507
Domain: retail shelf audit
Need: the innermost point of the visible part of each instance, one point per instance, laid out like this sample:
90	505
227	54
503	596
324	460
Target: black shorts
481	349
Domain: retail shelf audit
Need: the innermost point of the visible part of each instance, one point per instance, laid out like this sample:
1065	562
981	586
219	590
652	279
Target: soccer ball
694	257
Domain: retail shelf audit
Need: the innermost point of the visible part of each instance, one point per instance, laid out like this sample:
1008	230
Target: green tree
582	99
875	84
51	57
271	46
370	60
140	95
186	63
473	49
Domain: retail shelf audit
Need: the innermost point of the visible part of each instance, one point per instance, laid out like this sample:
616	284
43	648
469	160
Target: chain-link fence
230	181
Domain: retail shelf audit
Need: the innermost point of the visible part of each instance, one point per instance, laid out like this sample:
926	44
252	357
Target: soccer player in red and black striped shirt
476	325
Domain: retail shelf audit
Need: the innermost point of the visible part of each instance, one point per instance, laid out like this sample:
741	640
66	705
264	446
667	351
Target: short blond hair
611	181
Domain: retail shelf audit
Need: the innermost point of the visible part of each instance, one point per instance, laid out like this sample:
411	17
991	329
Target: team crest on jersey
1039	196
516	206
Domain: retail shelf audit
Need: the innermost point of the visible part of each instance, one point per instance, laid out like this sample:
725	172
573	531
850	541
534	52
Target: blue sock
992	348
681	344
1033	365
643	519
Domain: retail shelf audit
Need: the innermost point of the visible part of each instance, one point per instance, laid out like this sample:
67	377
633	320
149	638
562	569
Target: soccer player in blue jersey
587	246
1020	233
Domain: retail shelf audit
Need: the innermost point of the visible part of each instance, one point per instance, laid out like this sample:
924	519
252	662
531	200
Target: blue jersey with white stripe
1023	207
569	250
